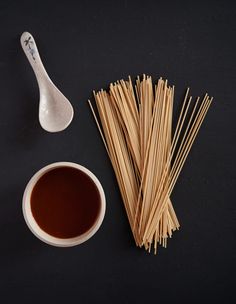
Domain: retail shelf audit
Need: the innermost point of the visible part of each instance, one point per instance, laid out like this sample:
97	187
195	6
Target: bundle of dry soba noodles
146	154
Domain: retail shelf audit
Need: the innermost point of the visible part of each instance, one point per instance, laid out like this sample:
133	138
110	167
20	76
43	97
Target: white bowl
44	236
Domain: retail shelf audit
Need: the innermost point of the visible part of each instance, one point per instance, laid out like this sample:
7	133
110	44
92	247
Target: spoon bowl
55	110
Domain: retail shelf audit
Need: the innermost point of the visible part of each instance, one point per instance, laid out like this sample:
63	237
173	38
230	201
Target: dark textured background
85	46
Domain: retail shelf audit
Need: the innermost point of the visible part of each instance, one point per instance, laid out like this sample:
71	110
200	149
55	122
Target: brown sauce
65	202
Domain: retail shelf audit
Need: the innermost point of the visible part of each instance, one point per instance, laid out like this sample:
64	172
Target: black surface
85	46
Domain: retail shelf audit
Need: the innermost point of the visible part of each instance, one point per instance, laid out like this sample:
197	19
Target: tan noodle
136	128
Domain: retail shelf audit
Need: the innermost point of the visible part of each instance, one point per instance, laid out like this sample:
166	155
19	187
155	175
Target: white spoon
55	110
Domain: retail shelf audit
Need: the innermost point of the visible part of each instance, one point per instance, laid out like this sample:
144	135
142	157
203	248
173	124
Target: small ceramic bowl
44	236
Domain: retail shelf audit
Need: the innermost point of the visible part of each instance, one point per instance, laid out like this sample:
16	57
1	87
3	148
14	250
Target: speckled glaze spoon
55	110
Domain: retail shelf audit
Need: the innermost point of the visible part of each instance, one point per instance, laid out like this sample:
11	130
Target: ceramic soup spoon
55	110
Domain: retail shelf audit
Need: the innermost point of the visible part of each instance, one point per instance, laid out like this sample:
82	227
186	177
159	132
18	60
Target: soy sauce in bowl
65	202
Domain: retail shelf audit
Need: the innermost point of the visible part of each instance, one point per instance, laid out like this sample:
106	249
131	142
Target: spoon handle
30	48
